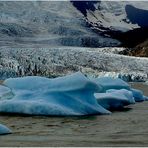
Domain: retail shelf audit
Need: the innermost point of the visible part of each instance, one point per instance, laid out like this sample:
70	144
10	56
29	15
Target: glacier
55	61
4	130
44	23
71	95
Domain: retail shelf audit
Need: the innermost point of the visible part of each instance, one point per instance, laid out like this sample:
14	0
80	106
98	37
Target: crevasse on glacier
71	95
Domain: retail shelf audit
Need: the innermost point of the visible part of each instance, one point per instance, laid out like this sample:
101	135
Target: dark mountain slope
140	50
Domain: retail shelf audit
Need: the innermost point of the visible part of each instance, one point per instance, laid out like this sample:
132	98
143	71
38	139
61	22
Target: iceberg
115	99
138	95
69	95
5	93
145	98
4	130
111	83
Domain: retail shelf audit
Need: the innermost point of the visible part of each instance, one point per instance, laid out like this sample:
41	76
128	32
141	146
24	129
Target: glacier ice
145	98
138	95
69	95
111	83
5	93
73	94
115	99
4	130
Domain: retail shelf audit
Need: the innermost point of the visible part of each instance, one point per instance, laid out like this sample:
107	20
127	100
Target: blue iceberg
138	95
5	93
69	95
4	130
145	98
111	83
115	99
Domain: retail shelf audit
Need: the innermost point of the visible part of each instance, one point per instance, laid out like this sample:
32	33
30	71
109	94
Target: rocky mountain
116	15
69	23
140	50
44	23
126	21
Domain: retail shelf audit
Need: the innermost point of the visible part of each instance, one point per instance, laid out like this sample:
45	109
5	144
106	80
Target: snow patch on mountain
112	15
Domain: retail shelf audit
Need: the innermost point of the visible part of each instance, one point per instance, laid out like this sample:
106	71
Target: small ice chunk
138	95
145	98
4	130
